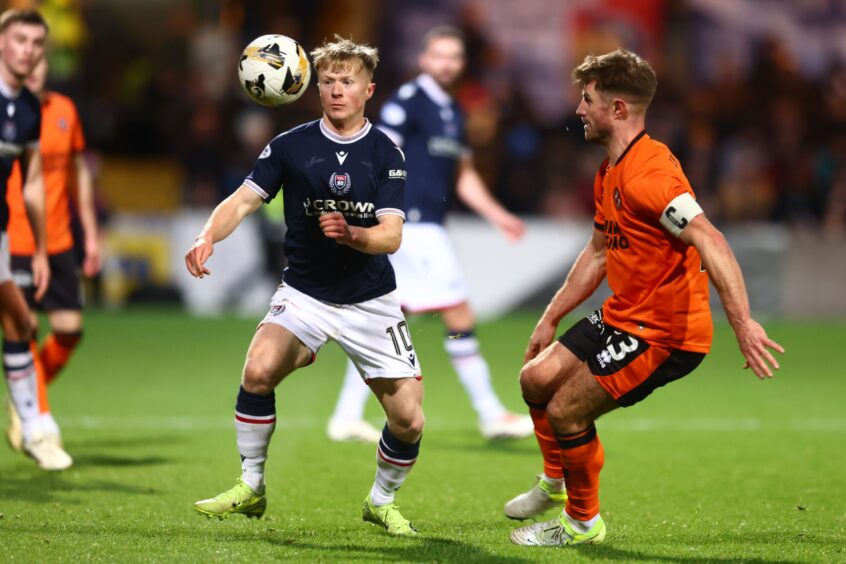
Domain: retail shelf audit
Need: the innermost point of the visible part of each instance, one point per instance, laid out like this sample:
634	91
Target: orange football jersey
660	291
61	138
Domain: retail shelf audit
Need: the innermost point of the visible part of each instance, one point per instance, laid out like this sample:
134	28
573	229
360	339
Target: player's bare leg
273	354
570	412
402	400
495	421
22	380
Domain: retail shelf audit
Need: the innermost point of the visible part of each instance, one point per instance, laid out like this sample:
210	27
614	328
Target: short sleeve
660	183
268	172
77	136
650	194
390	195
396	118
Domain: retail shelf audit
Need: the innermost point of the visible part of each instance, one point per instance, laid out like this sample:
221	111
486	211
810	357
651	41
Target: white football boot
509	426
357	430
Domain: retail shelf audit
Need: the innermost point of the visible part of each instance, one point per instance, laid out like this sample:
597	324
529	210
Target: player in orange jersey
62	145
658	250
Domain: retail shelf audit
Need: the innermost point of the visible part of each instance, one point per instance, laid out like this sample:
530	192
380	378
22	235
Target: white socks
463	350
23	387
354	394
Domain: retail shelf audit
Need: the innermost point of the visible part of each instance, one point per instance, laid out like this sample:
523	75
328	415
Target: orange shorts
628	368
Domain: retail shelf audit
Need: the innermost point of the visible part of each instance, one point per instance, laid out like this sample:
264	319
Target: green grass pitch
719	467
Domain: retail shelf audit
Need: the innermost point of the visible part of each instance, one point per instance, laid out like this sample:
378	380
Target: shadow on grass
81	461
606	552
424	549
127	441
37	486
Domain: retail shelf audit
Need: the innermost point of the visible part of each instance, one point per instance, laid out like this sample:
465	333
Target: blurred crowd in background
751	96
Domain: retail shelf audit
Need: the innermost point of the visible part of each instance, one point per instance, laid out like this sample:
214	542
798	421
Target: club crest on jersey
618	199
277	309
10	130
340	183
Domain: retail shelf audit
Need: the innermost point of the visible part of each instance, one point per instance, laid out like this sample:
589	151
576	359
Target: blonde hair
343	54
618	72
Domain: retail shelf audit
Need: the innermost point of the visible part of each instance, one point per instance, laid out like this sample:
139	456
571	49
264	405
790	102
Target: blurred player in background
422	118
23	35
64	169
339	284
658	251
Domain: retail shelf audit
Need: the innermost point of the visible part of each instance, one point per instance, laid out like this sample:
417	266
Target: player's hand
197	256
40	274
511	226
335	226
93	261
756	346
540	339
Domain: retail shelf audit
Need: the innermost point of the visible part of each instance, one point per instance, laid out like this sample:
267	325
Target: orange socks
582	457
57	350
546	440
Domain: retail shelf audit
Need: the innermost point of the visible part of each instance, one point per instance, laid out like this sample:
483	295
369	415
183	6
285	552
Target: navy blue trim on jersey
429	126
361	176
20	129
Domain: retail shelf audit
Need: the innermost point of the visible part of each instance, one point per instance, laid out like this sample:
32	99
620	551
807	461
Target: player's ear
371	88
620	109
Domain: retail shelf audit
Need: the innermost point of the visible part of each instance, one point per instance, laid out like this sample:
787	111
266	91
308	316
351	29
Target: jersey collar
637	138
332	136
8	91
433	90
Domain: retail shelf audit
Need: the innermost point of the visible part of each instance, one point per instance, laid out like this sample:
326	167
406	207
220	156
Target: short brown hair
32	17
440	31
618	72
343	54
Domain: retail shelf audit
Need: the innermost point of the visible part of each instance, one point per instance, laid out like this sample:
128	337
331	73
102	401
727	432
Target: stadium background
752	98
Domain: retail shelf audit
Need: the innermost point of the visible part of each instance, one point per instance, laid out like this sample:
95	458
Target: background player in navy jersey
423	119
342	184
23	35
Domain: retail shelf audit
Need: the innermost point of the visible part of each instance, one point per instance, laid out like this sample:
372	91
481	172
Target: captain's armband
679	213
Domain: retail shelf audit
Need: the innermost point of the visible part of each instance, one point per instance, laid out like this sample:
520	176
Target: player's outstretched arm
472	191
381	239
34	202
722	267
224	219
584	277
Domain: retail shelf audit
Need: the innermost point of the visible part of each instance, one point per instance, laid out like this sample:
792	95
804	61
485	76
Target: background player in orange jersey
65	170
657	249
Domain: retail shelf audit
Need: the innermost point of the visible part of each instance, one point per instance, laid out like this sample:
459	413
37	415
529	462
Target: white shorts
428	275
374	333
5	259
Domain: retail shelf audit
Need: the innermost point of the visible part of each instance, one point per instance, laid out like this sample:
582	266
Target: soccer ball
274	70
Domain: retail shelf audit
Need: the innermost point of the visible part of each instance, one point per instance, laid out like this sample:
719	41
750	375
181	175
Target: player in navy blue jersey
23	34
423	119
342	183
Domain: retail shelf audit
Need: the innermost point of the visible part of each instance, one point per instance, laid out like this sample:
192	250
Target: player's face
443	60
343	93
23	46
38	77
595	113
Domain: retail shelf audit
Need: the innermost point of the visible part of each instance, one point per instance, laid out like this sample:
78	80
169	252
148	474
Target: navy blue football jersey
429	126
361	176
20	128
